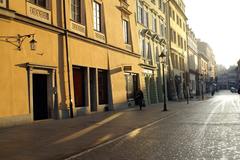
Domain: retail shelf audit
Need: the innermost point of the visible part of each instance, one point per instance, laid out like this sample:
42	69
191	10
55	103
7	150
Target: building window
126	33
103	86
145	18
185	45
153	1
149	54
160	3
177	20
173	60
176	60
97	16
157	55
173	15
143	47
76	10
140	14
162	29
41	3
179	41
154	24
175	37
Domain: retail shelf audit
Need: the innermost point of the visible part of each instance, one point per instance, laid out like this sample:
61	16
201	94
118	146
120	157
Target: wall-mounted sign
127	68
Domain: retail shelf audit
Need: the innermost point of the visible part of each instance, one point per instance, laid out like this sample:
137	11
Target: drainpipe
68	60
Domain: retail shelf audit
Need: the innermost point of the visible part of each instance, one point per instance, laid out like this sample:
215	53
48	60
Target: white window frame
97	16
145	18
154	23
140	14
126	33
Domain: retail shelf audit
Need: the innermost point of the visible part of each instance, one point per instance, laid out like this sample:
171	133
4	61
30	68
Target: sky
217	22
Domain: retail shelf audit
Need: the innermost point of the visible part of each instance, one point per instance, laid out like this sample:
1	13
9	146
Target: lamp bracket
17	41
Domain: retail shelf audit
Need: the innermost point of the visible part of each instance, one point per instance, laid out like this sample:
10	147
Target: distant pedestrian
213	92
213	89
139	99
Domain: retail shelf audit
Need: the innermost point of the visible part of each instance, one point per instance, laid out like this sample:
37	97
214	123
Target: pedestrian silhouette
139	99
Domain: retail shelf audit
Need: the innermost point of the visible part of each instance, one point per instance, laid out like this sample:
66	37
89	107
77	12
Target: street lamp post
202	86
163	61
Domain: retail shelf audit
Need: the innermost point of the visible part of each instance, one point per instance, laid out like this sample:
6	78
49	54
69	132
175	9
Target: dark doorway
102	86
93	90
40	101
132	82
135	84
130	89
79	86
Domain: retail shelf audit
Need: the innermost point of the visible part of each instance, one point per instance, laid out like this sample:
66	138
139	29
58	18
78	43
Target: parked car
233	90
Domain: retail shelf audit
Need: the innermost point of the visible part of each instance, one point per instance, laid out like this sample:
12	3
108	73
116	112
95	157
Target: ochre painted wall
14	84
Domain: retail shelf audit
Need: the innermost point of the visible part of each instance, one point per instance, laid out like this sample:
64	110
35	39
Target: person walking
139	99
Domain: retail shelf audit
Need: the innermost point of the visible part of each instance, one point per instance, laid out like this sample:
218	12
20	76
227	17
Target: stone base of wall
15	120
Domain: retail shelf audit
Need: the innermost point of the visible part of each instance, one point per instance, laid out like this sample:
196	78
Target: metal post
202	91
164	92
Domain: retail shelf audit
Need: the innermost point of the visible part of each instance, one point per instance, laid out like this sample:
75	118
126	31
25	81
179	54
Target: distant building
239	73
228	78
206	51
233	77
193	62
151	26
177	49
222	82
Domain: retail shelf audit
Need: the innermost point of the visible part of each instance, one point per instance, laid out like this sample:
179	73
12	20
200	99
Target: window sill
39	13
77	28
99	36
128	47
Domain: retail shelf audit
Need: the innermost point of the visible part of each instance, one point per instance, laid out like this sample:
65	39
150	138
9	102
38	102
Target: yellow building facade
177	47
86	58
151	27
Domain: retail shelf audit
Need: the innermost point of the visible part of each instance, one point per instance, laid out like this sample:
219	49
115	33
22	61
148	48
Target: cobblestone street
204	130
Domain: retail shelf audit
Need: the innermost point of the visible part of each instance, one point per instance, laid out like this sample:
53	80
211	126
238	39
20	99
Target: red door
79	88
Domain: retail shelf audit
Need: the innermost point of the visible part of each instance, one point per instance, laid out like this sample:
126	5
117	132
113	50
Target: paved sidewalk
59	139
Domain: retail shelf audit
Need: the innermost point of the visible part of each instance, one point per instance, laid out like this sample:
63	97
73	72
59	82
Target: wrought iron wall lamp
19	39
